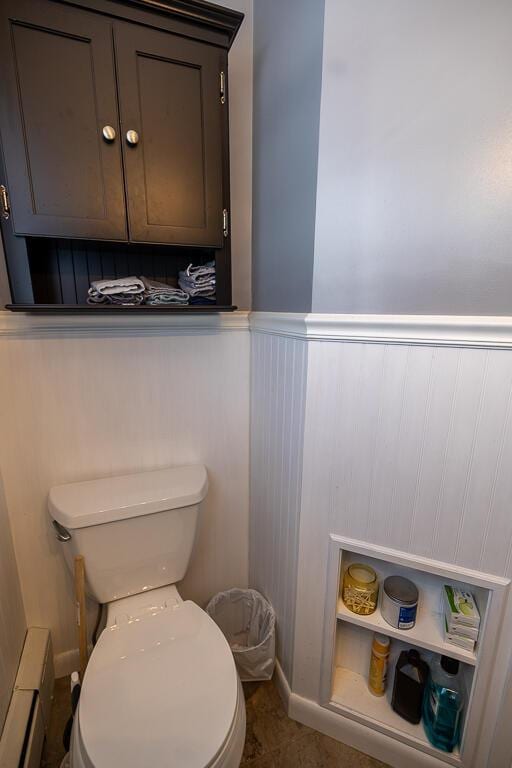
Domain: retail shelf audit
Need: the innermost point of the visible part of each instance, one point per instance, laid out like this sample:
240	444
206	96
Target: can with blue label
399	602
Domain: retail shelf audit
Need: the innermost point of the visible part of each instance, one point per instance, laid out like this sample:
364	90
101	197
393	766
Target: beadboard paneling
277	424
408	447
12	615
407	443
92	406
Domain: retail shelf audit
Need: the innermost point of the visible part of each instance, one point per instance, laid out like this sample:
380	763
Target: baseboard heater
28	716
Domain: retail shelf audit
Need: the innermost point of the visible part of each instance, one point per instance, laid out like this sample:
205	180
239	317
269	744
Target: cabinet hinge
225	222
4	202
222	88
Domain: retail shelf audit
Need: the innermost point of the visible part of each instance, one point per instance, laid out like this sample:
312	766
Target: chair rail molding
143	324
484	332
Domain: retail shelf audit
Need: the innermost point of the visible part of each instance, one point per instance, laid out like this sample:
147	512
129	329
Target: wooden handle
81	613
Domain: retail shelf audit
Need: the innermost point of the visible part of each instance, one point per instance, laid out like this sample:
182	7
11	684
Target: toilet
161	688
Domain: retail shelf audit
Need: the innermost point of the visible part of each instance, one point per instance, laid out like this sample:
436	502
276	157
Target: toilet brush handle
81	613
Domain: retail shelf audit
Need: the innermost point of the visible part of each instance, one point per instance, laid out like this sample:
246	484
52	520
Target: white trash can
248	623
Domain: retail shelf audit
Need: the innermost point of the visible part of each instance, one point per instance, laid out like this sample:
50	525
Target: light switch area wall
12	614
288	38
415	164
240	152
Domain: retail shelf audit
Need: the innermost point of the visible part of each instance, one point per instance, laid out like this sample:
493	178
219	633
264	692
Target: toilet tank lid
93	502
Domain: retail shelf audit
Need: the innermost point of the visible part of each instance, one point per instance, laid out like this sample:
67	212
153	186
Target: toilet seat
161	690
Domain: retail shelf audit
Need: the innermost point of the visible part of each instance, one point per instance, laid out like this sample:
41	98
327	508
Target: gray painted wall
240	148
414	205
288	38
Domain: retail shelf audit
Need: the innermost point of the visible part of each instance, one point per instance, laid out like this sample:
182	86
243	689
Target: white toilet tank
136	532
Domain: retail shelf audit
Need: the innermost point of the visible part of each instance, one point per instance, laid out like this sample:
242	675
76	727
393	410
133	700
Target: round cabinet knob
132	137
109	133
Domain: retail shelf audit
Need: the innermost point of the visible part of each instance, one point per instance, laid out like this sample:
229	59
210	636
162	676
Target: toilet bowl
161	688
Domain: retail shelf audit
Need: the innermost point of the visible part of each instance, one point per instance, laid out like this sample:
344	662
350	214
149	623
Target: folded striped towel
198	281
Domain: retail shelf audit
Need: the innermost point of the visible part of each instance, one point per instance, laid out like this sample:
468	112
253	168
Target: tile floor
53	751
273	740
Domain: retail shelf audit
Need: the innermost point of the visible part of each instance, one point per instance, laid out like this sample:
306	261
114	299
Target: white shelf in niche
350	693
351	698
427	632
348	637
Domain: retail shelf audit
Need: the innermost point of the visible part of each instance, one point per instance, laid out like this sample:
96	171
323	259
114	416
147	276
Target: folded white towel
121	285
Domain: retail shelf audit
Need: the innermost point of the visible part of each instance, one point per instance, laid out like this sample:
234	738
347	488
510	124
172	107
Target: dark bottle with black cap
411	674
444	703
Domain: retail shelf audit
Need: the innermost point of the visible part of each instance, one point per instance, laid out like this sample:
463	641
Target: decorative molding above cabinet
114	130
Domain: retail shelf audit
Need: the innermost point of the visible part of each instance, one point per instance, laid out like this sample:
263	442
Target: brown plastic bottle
411	676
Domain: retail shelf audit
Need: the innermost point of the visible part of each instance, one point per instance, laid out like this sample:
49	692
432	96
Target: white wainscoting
408	445
278	392
86	399
12	615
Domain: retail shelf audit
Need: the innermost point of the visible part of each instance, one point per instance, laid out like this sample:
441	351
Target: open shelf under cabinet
60	272
106	309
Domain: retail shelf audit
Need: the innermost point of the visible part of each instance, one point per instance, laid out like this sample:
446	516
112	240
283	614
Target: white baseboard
66	662
356	735
282	685
349	731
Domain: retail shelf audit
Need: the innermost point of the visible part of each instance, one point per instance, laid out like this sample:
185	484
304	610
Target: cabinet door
57	92
169	93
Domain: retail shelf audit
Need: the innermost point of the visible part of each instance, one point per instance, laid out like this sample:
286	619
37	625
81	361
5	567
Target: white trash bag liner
248	623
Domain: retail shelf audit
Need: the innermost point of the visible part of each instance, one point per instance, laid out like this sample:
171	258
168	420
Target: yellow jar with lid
360	589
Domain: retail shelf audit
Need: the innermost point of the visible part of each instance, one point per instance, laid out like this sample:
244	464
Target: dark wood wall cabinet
114	133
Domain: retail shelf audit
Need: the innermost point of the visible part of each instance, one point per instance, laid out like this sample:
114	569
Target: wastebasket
248	622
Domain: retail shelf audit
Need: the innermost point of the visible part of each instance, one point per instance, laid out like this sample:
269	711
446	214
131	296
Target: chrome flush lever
62	533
